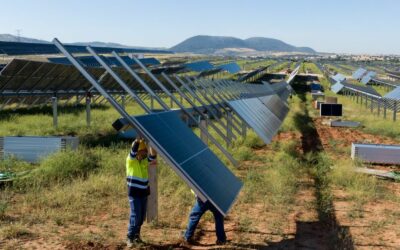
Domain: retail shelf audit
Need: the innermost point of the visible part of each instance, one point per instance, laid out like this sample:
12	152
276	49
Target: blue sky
349	26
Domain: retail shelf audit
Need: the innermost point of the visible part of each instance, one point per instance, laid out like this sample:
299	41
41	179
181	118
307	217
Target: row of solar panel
89	61
338	87
201	66
22	75
363	75
17	48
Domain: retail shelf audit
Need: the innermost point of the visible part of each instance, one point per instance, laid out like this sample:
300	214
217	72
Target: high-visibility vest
137	176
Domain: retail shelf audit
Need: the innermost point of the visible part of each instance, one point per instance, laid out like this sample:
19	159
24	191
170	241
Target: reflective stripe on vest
137	173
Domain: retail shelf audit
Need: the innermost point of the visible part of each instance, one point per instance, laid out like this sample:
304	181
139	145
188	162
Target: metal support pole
55	115
372	105
244	129
229	125
204	125
77	101
384	109
152	205
88	116
123	101
379	107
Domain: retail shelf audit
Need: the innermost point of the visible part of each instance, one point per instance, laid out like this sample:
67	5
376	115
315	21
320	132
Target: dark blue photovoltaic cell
257	116
331	109
199	66
90	61
232	68
165	130
275	105
17	48
195	161
215	179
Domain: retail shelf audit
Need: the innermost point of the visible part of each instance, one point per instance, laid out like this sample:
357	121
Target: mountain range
213	44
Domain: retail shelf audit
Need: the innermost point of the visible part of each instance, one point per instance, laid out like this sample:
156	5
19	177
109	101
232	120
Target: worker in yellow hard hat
137	164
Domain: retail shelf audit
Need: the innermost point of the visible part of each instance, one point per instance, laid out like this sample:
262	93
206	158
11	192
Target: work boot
186	243
220	242
132	242
129	242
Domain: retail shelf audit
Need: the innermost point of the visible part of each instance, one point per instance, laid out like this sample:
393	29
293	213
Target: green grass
14	231
73	187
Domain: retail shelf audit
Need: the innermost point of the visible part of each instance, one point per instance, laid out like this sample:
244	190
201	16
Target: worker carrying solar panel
137	164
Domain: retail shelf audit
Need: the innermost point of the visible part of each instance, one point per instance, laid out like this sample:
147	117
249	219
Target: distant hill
212	44
12	38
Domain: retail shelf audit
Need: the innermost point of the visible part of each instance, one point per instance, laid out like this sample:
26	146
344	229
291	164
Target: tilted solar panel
276	105
358	74
362	89
257	116
339	78
394	94
368	77
199	66
196	163
232	68
336	88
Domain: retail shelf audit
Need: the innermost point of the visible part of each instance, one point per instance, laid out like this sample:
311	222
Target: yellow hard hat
142	146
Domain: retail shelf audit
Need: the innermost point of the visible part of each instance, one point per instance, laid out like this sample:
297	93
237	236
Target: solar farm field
257	149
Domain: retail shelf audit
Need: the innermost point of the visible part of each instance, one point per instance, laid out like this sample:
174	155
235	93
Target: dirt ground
377	226
302	228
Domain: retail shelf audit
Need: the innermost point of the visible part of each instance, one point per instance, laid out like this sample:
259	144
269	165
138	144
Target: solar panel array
18	48
367	90
260	106
24	77
89	61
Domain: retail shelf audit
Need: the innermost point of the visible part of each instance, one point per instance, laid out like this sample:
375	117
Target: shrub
60	168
